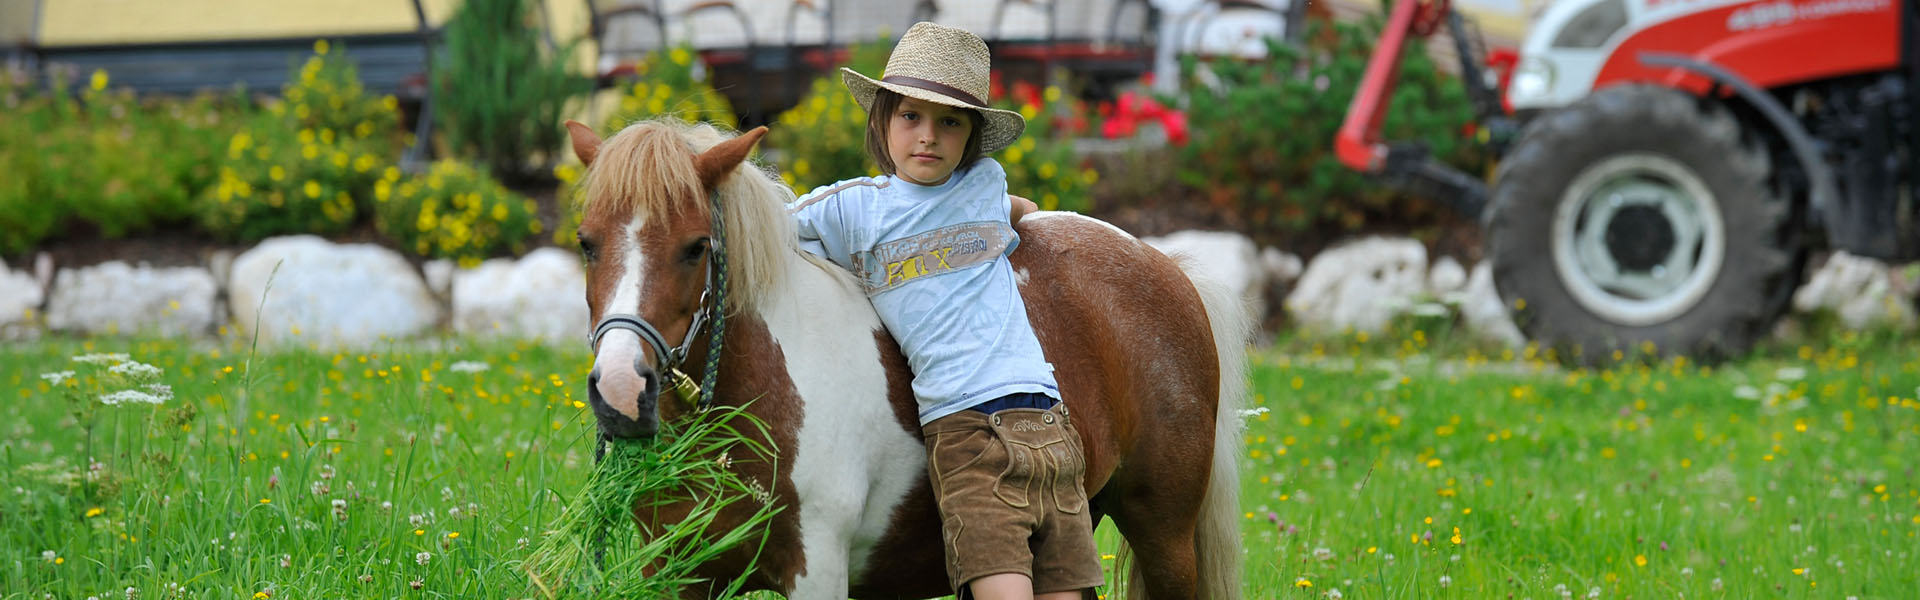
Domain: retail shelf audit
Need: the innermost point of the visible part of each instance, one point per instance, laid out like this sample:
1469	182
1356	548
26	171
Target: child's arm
818	223
1021	207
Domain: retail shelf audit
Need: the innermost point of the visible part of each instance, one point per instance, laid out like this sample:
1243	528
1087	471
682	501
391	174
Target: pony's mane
648	169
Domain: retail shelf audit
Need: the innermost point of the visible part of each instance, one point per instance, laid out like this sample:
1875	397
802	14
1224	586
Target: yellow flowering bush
823	138
307	165
453	211
666	84
567	233
1042	166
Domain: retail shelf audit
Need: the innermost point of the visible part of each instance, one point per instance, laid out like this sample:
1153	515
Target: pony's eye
586	249
695	250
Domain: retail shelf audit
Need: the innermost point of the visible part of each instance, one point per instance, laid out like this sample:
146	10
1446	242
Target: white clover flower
57	377
98	358
49	555
468	366
1322	554
136	370
416	520
1335	594
124	396
423	558
1446	581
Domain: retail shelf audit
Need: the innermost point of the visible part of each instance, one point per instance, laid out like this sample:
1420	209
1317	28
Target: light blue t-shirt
933	260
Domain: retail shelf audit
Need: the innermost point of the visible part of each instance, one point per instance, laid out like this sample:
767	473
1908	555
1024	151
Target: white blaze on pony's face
646	237
618	360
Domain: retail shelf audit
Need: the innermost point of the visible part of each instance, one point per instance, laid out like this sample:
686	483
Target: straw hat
947	66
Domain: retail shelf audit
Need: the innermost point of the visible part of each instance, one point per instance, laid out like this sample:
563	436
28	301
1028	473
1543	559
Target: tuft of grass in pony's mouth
595	550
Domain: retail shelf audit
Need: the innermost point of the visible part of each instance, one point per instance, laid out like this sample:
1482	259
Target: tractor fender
1798	140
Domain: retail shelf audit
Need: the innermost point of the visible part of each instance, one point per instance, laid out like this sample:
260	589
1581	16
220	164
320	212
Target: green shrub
1264	145
454	211
500	96
308	164
105	159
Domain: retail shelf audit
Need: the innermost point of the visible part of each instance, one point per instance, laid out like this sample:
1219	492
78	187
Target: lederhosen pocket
1040	459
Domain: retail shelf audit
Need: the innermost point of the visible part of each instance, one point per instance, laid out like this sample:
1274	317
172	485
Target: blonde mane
648	169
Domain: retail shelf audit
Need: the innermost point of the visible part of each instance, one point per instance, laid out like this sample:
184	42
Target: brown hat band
934	86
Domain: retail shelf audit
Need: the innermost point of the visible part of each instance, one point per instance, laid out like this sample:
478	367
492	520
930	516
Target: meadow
1374	468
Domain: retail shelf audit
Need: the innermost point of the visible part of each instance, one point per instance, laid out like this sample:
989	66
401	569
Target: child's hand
1021	207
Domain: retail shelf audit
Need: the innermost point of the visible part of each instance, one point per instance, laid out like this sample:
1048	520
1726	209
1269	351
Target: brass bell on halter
683	386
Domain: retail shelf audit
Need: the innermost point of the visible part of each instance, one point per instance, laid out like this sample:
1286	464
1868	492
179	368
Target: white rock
329	295
1361	285
439	273
1227	257
1282	268
220	263
20	299
542	296
117	298
1859	290
1485	314
43	270
1447	276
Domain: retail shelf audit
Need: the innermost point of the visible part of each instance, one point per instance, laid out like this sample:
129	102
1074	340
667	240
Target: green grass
1552	477
1790	474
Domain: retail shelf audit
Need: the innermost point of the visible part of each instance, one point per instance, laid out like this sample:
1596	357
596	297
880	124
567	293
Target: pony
680	232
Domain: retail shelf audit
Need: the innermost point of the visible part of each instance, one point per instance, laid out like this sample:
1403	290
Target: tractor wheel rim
1622	207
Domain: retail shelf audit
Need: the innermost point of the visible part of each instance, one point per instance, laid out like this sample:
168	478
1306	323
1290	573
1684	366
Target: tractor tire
1640	221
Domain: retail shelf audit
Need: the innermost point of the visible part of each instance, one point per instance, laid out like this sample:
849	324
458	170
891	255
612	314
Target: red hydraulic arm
1358	144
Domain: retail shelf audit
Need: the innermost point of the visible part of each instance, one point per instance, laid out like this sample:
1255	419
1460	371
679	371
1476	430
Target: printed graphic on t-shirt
944	250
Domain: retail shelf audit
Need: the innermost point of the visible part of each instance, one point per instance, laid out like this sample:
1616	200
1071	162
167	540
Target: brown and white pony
1150	359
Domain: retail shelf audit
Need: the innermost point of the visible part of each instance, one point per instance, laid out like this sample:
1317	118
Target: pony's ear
714	164
586	145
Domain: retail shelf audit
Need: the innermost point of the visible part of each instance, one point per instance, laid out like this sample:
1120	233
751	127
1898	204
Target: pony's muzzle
625	401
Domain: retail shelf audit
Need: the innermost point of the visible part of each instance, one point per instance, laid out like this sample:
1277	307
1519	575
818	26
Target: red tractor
1667	165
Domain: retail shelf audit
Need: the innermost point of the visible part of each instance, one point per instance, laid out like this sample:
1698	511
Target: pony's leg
1158	515
1163	554
826	577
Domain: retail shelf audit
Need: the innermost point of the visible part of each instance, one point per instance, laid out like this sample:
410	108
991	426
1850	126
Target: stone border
359	295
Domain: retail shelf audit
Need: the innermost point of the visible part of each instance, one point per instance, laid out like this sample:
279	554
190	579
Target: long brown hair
886	101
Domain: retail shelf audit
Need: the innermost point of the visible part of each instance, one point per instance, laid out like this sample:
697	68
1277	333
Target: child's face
926	140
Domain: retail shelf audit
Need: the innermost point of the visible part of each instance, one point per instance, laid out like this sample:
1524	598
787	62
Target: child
929	241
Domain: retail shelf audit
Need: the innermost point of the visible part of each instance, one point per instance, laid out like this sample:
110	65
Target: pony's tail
1217	534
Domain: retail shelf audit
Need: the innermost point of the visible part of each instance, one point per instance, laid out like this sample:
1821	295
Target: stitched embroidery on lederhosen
944	250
